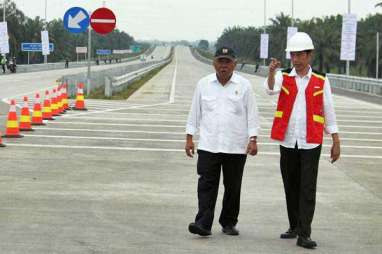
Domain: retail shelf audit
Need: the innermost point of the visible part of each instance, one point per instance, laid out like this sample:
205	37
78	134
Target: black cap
225	52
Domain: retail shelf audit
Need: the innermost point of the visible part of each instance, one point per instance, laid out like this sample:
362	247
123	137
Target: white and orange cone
12	126
80	99
37	112
25	118
47	110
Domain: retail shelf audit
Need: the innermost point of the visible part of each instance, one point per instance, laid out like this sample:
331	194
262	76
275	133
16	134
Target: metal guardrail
117	84
357	84
61	65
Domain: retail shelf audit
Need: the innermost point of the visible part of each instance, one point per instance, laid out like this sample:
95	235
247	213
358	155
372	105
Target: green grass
99	93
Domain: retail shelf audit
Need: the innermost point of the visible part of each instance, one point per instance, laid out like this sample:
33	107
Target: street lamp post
4	10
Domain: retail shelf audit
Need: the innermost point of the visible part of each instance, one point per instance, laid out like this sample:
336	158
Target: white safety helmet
299	42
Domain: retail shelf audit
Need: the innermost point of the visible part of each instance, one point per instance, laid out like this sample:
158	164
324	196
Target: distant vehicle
11	65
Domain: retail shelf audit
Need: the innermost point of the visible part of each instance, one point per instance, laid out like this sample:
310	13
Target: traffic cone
37	114
1	142
53	103
61	99
12	126
65	96
47	110
80	100
25	118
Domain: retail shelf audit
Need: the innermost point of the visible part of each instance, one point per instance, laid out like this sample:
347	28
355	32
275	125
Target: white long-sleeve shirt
296	131
226	116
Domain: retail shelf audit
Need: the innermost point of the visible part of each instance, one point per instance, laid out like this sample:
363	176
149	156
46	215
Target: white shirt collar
293	73
234	78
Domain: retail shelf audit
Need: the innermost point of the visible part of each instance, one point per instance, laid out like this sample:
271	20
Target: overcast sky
196	19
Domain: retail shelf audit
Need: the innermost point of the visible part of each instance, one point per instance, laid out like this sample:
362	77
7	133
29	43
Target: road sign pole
4	10
88	77
28	57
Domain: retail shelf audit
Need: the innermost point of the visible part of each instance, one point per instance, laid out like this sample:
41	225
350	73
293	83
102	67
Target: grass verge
98	93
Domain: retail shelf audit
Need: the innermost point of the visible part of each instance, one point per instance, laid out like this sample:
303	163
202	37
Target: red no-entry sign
103	20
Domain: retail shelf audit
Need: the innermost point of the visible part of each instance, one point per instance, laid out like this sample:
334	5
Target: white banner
264	44
45	42
83	50
291	31
348	37
4	44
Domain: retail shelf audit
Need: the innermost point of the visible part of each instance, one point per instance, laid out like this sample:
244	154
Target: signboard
291	31
76	20
34	47
45	42
122	51
264	42
349	36
82	50
103	21
103	52
135	48
4	44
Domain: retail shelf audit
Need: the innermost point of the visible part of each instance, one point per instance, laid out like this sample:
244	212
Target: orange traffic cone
61	99
25	118
53	103
80	100
65	96
47	110
37	114
12	130
1	142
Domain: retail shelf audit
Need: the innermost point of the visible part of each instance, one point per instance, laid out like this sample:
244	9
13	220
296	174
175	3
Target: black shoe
198	229
230	230
306	242
291	233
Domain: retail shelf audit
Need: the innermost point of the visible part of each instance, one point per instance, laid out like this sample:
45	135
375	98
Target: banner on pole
348	37
291	31
4	40
45	42
264	42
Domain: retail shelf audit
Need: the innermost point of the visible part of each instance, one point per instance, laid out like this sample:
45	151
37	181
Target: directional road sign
103	20
76	20
103	52
34	47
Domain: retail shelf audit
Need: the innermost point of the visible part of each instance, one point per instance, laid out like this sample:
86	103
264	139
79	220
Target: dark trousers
299	170
209	168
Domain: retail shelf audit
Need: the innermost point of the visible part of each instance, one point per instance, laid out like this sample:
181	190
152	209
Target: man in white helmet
304	110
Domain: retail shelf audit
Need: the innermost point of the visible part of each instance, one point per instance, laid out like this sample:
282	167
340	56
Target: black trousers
299	170
209	167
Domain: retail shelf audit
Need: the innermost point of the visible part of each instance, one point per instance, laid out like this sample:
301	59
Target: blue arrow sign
103	52
34	47
76	20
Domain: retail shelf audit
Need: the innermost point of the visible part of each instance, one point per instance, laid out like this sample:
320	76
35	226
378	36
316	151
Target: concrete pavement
115	179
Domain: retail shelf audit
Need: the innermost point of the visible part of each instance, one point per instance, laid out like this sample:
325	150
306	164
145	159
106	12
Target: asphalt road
115	179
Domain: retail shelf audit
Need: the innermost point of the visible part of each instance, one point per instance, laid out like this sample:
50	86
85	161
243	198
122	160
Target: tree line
24	29
325	33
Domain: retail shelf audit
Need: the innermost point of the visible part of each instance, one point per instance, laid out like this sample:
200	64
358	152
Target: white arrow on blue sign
76	20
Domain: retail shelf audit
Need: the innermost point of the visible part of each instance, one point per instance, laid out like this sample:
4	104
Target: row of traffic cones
56	105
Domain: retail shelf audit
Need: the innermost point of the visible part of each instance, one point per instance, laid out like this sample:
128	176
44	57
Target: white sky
195	19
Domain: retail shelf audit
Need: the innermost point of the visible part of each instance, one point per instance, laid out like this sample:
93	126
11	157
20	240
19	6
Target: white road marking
165	150
172	93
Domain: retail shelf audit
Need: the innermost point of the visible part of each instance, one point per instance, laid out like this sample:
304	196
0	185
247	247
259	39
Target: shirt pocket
208	103
235	104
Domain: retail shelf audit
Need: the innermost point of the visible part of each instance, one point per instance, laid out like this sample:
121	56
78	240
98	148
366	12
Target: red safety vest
314	94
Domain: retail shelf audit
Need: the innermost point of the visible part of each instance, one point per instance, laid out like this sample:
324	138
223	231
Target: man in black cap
225	114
